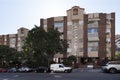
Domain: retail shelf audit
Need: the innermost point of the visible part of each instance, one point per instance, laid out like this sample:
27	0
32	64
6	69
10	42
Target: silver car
111	66
25	69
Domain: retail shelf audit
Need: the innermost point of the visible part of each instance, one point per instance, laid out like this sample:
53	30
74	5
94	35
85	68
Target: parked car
3	70
111	66
12	70
42	69
25	69
60	68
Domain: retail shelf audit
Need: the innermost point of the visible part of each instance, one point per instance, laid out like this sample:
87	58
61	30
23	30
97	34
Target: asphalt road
77	74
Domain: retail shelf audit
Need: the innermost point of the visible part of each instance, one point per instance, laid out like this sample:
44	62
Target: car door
118	65
61	67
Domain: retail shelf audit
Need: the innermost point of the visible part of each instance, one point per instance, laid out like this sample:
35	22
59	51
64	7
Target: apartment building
117	41
14	40
90	36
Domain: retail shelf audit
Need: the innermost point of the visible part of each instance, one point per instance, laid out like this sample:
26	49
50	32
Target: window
90	22
12	45
69	50
108	22
108	30
5	38
61	66
12	40
92	43
75	11
92	30
45	26
58	24
92	48
108	40
108	16
81	49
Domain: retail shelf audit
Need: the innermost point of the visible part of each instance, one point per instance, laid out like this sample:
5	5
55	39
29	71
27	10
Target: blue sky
27	13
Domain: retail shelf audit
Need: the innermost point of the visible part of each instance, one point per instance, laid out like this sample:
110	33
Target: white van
60	68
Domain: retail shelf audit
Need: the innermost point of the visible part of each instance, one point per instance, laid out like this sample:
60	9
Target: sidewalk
88	70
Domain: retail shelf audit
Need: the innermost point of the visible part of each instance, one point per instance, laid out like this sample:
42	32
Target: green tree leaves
117	55
41	45
7	55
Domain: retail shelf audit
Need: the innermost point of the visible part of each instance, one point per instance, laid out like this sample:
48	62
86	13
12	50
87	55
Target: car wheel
112	70
66	71
52	71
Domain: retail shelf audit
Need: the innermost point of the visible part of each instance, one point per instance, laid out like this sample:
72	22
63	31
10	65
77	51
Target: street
77	74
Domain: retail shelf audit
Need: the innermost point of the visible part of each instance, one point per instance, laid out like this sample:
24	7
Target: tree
7	55
70	60
35	46
117	55
64	46
53	44
40	46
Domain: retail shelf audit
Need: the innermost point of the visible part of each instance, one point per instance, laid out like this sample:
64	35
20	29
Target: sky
15	14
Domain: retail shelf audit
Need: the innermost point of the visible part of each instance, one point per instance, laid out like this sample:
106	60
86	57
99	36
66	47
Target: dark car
3	70
42	69
12	70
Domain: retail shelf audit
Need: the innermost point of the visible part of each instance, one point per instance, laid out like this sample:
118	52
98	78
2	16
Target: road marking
16	76
57	76
5	79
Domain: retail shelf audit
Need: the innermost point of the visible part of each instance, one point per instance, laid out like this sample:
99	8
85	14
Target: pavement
88	70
